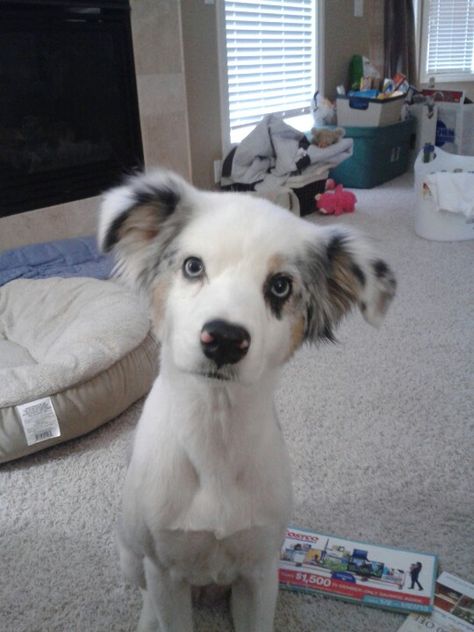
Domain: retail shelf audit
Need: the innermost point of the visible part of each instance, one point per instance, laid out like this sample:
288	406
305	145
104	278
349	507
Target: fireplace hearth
69	121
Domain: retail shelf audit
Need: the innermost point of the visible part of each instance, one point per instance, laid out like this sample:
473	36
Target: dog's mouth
215	375
223	374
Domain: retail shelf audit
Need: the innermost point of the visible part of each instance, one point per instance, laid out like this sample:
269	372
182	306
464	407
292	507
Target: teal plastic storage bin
380	154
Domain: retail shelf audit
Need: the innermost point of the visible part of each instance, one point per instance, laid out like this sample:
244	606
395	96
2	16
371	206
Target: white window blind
271	59
450	38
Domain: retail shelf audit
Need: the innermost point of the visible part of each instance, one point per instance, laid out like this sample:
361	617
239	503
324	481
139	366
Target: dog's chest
207	465
237	484
200	558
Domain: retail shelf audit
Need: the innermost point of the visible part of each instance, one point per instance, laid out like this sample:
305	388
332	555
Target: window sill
448	78
302	122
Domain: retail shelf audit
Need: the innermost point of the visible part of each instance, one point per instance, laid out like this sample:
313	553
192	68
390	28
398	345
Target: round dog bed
81	346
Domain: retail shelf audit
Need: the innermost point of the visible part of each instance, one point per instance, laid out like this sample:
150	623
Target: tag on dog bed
39	420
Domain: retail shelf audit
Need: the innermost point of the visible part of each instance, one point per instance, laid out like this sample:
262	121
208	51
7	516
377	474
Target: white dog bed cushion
81	344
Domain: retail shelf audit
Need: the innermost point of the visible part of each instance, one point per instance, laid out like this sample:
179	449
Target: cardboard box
359	572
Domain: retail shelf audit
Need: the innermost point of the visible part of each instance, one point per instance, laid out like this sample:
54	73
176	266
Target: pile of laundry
275	151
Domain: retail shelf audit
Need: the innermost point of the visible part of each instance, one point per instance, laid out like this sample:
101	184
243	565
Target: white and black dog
236	285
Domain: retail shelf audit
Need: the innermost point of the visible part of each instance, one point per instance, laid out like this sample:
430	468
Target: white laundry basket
430	223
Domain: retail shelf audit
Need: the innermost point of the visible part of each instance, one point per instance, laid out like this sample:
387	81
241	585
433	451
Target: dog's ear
341	271
139	220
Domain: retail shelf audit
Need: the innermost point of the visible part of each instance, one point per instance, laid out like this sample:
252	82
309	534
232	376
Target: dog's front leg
254	599
170	599
148	620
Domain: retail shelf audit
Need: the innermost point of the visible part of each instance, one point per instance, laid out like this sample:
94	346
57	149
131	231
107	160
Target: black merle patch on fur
162	198
335	246
331	282
381	269
313	268
165	250
327	333
165	198
358	273
168	258
154	211
112	235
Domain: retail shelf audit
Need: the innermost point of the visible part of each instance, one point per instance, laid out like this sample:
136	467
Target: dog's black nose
224	342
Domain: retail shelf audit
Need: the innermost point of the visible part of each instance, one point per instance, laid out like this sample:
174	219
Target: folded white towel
452	191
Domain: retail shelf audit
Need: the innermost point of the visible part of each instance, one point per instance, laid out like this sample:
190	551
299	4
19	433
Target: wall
345	36
202	72
159	64
156	26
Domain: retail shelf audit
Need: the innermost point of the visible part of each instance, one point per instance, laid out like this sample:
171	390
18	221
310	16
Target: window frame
222	57
422	12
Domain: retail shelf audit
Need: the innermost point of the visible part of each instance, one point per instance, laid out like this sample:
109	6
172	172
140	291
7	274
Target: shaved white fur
207	496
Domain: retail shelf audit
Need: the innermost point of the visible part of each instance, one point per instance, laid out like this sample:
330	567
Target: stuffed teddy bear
323	137
335	200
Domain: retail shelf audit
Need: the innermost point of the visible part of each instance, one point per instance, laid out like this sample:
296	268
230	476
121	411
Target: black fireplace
69	122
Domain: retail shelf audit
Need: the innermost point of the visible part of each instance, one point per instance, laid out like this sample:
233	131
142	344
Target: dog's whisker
227	375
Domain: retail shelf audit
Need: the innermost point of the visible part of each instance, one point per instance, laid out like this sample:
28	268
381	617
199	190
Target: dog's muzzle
223	342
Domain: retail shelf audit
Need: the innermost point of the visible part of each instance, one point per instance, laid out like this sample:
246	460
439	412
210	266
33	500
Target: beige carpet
380	430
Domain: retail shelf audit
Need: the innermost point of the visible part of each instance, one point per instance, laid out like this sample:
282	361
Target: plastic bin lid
401	126
358	97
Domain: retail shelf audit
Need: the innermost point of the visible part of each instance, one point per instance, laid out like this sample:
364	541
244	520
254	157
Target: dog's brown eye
280	286
193	268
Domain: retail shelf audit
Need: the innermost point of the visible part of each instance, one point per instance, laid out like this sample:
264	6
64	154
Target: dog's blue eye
193	268
280	286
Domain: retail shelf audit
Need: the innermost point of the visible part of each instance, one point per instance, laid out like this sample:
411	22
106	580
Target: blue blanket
64	258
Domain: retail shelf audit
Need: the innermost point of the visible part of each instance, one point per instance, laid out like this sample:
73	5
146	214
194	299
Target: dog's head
236	284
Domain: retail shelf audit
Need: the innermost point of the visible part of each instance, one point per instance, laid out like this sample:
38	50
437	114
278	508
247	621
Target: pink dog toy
335	200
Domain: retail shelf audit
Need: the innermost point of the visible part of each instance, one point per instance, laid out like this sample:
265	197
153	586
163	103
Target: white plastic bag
455	128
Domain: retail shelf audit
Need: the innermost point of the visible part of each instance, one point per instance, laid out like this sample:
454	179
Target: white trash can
430	221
